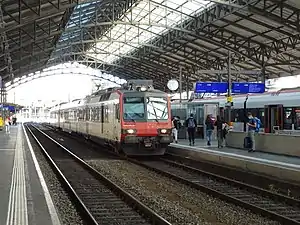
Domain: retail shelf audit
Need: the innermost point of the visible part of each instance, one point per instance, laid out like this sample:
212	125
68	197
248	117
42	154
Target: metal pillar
263	69
3	96
187	87
229	101
180	84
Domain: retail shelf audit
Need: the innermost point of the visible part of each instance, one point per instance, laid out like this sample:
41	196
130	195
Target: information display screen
211	87
245	88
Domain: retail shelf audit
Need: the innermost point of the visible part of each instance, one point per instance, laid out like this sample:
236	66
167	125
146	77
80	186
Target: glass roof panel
145	21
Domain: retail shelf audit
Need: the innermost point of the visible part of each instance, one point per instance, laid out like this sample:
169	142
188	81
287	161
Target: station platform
278	166
25	198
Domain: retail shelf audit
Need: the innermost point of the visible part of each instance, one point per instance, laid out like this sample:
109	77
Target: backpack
258	124
191	123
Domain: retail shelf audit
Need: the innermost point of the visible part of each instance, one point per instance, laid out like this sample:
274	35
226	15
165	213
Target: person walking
209	129
220	124
7	125
176	126
191	124
251	131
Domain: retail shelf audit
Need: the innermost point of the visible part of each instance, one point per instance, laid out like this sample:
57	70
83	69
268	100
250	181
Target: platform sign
211	87
245	88
8	108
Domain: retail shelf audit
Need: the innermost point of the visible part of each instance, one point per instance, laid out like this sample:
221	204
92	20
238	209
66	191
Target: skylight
144	22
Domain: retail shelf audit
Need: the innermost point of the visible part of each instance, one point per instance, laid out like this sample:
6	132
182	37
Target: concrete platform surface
283	167
22	188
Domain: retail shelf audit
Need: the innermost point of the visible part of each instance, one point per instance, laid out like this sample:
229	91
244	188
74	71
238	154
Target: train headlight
163	131
143	88
128	131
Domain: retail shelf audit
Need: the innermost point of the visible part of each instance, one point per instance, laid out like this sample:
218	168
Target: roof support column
187	86
180	84
263	67
3	98
229	101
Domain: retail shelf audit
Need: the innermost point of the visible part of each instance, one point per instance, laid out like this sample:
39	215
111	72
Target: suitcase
247	142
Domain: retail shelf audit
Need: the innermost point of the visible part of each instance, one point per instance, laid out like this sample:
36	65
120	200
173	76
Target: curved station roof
153	39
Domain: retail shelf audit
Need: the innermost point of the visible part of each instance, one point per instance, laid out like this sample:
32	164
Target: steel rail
266	182
230	197
87	216
247	196
135	204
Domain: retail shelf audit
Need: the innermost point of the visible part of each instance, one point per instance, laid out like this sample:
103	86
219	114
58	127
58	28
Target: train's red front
145	122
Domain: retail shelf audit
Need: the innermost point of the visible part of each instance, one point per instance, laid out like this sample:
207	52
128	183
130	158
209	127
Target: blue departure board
245	88
211	87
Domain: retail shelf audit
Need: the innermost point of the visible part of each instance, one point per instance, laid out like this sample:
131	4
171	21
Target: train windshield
157	108
134	108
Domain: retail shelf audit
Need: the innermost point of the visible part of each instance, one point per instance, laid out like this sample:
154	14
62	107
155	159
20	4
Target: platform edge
50	205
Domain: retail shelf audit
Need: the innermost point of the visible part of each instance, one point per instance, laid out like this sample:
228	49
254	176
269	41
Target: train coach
275	109
134	119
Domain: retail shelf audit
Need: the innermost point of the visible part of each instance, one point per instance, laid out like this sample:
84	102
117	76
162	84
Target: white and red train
134	119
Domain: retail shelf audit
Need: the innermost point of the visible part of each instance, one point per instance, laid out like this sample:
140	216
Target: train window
261	116
134	108
106	113
71	115
93	114
133	100
97	114
297	118
87	114
287	118
117	111
157	108
80	114
66	115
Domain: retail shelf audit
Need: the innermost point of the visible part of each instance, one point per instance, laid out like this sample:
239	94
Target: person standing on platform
176	126
209	129
14	119
220	124
7	125
251	131
191	124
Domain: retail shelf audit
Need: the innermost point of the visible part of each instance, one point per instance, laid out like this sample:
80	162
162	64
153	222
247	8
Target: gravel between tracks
68	215
178	203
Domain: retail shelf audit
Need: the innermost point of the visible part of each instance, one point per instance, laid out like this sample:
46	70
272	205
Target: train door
102	118
273	119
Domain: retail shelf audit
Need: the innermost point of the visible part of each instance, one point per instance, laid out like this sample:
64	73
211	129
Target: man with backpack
191	128
258	124
253	127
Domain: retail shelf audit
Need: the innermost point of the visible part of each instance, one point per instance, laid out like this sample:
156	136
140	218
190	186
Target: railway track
275	206
99	200
273	184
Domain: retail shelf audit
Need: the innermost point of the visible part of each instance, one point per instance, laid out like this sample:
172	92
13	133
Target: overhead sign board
8	108
245	88
211	87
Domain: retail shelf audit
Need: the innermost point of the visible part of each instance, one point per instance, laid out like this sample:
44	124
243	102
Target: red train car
134	119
